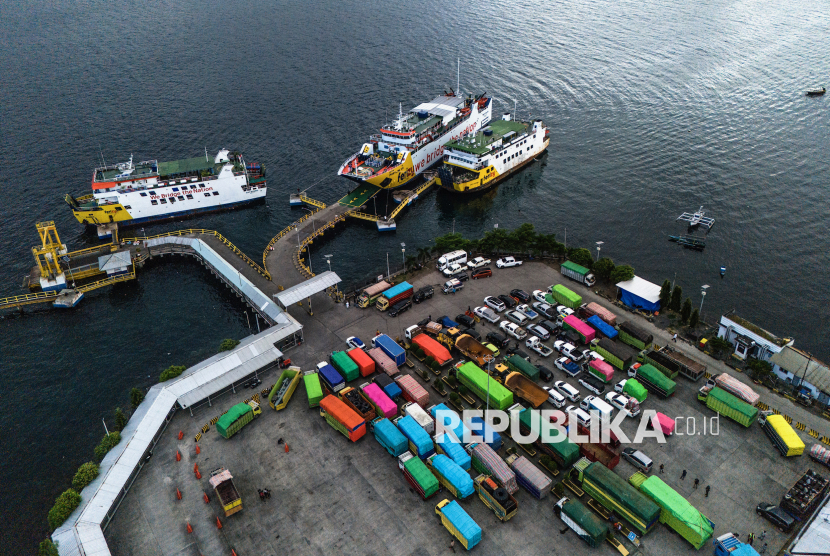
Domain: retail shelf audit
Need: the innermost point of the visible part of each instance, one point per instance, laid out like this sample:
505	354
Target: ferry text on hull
415	141
130	194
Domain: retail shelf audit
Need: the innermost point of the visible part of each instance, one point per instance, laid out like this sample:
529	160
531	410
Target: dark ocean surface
655	108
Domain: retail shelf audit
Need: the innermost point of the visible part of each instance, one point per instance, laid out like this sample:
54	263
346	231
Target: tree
694	319
411	261
171	372
435	366
603	268
523	237
719	345
494	241
622	273
120	420
64	506
686	311
136	397
86	474
665	294
423	254
760	369
581	256
106	444
676	296
227	345
47	548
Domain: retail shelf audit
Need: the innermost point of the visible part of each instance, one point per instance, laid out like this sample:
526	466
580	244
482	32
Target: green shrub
120	420
439	385
603	268
463	390
622	273
452	380
419	353
47	548
455	397
686	311
136	397
106	444
581	256
228	344
86	474
435	366
676	296
171	372
429	361
665	294
64	506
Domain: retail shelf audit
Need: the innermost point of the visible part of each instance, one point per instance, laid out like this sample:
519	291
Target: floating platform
68	298
690	242
105	231
386	225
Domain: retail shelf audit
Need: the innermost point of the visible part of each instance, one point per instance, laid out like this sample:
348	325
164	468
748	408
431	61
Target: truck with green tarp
652	379
562	450
418	475
236	417
582	521
560	295
577	272
616	495
519	364
634	389
313	389
621	356
477	380
676	512
345	365
634	335
722	402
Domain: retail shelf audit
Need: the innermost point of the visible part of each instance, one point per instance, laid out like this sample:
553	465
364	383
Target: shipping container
444	417
563	296
433	349
395	352
585	332
737	388
503	504
358	402
490	437
602	327
393	295
525	389
383	362
726	404
453	449
345	365
377	397
477	381
601	370
582	521
420	415
389	386
236	417
418	475
420	442
369	296
595	309
222	482
451	475
472	348
313	389
578	273
388	435
653	380
459	523
782	434
342	418
284	388
529	476
519	364
561	449
364	363
635	336
331	378
485	460
616	495
619	355
676	512
412	391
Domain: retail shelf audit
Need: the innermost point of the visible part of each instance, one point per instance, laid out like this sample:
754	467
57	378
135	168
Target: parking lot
330	496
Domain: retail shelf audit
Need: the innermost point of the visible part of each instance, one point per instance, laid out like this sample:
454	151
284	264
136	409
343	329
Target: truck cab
256	408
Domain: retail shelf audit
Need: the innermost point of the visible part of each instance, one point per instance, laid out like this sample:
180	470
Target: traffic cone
207	500
195	467
218	523
181	435
178	456
198	450
233	552
198	475
286	447
178	494
189	528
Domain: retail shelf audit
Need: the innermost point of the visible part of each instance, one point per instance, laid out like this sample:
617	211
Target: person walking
683	476
750	538
763	535
452	545
763	549
674	338
707	490
662	468
697	482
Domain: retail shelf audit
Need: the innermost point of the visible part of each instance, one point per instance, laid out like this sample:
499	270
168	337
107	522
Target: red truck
412	391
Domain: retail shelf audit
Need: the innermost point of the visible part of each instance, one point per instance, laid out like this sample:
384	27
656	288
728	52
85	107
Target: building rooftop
755	329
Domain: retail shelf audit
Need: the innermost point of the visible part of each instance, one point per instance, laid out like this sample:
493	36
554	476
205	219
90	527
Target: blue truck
459	523
451	475
729	545
447	322
460	430
602	327
389	386
420	442
491	437
395	352
330	377
453	449
389	436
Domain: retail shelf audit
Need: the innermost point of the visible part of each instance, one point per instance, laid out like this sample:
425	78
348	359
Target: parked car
568	350
494	303
481	273
568	336
593	384
538	331
517	317
466	320
452	286
486	313
400	307
516	350
590	355
521	295
544	309
492	348
513	329
620	386
478	262
539	296
470	331
525	309
564	311
580	415
567	366
544	373
355	342
508	301
507	262
454	269
550	326
638	459
555	398
775	515
567	390
423	294
462	276
497	339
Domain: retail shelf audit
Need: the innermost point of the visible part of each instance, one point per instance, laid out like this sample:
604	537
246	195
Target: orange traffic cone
195	467
181	435
178	494
207	500
198	450
218	523
189	528
286	447
178	456
198	475
233	552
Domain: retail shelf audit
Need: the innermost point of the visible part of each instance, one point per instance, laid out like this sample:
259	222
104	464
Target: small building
803	371
116	263
750	340
640	294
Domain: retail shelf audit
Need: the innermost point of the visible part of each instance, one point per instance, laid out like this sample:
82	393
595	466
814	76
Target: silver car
486	313
494	303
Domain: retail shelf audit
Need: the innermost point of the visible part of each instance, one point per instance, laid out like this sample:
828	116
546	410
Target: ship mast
458	78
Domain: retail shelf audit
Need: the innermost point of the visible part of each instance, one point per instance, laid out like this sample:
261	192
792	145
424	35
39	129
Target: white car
567	390
539	296
620	386
454	269
478	262
591	355
568	350
525	309
564	311
536	345
494	303
513	329
355	342
628	406
580	415
486	313
507	262
554	397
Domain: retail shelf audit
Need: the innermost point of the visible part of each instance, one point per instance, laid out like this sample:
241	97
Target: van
554	397
637	459
581	416
592	403
445	260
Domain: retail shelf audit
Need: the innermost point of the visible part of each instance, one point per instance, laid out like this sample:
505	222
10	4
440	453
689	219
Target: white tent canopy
641	288
306	289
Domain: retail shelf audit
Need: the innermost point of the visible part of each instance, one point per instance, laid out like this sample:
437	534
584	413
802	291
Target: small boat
817	92
690	242
68	299
697	218
722	271
399	196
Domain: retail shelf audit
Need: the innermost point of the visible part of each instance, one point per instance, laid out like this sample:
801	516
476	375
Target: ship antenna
206	156
458	78
102	156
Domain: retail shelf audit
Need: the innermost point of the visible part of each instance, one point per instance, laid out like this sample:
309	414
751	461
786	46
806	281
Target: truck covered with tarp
563	296
602	327
635	336
616	495
389	386
452	448
595	309
737	388
383	363
236	417
451	475
726	404
420	442
342	418
636	390
601	370
562	450
518	364
313	389
459	523
364	363
676	512
445	417
331	378
388	436
412	391
477	381
345	365
619	355
377	397
481	428
418	475
433	349
585	332
486	461
529	476
582	521
653	380
783	436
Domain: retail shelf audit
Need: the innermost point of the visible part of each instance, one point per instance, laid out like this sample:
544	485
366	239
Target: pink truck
412	391
383	361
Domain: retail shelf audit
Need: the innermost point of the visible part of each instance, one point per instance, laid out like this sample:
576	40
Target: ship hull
485	180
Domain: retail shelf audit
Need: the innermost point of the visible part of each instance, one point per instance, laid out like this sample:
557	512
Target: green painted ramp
359	196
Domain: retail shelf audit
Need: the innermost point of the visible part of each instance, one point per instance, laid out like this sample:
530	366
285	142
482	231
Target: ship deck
480	143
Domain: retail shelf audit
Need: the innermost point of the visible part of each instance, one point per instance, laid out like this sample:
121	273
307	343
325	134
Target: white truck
536	345
454	269
478	262
507	262
513	329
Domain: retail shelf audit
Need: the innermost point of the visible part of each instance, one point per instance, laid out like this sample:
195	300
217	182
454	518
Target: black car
593	384
471	332
423	294
462	276
498	340
466	320
545	373
507	300
400	307
570	337
521	295
550	326
515	350
776	516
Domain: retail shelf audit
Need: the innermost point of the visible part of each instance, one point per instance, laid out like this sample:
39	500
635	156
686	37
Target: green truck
237	417
477	381
582	521
653	379
619	355
675	511
724	403
560	295
562	450
313	388
345	365
671	363
635	336
518	364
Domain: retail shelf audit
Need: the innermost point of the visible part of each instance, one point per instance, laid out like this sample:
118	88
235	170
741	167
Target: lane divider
198	437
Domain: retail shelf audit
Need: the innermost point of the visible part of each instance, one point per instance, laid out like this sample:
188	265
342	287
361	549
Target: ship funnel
506	117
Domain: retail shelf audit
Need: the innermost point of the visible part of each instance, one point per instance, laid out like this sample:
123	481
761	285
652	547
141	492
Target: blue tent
640	294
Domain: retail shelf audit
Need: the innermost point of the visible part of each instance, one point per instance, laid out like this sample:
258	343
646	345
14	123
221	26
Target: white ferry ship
480	160
130	194
415	141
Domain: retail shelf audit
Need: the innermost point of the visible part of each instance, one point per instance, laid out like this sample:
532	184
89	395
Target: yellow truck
222	482
284	388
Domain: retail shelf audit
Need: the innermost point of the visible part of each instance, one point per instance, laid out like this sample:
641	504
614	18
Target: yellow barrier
312	202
